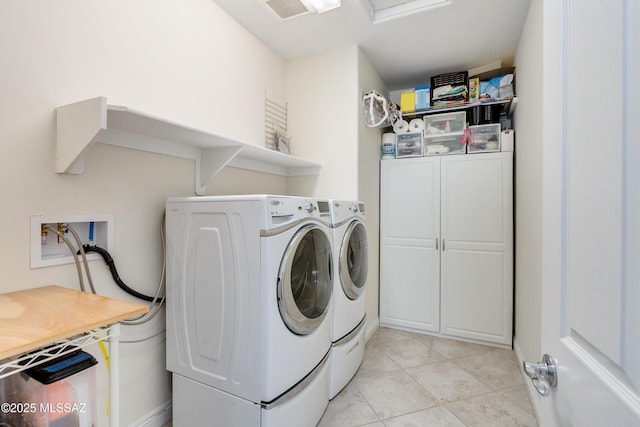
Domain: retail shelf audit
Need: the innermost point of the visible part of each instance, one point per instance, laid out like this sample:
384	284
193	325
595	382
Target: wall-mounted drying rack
84	123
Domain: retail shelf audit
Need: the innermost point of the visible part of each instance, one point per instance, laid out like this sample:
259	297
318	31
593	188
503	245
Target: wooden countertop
37	317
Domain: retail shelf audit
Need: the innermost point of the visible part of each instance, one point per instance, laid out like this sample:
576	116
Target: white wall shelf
84	123
508	106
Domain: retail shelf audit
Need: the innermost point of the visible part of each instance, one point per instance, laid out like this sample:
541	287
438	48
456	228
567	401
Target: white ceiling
405	51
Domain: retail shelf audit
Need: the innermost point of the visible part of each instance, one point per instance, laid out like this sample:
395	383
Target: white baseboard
531	390
157	417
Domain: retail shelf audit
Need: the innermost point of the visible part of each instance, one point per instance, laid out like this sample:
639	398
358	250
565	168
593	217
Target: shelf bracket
211	161
78	125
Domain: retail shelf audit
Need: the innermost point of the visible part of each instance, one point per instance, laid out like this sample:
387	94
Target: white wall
528	186
369	140
324	94
185	61
323	119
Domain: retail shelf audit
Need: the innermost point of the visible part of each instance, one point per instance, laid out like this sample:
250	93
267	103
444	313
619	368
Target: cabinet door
409	234
477	247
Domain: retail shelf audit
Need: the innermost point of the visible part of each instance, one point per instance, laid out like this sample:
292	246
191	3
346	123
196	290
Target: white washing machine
350	255
249	303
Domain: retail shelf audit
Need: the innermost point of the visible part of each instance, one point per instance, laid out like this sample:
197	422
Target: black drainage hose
114	272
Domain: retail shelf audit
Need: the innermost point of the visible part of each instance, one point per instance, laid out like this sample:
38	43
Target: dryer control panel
343	210
286	209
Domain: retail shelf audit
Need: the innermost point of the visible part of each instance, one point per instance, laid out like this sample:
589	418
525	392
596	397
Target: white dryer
350	254
249	300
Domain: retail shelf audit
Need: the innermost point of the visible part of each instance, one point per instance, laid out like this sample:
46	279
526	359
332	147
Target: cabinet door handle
436	243
442	245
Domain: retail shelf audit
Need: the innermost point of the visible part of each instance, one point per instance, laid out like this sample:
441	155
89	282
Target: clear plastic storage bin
484	138
409	144
58	393
446	144
444	123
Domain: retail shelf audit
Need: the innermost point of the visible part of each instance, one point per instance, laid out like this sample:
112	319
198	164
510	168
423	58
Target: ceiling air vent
286	9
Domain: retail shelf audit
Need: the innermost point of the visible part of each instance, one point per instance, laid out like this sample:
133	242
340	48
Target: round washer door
354	260
305	280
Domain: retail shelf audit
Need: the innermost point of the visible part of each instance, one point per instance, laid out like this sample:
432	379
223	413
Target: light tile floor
415	380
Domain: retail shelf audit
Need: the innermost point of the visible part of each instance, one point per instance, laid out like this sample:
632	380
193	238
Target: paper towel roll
416	125
401	126
388	149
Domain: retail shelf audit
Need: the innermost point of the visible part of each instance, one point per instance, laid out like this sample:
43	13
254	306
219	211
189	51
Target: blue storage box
423	97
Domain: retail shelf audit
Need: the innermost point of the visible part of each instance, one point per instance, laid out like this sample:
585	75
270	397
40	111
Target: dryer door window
354	260
305	280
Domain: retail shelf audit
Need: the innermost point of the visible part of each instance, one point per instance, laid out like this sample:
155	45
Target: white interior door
591	212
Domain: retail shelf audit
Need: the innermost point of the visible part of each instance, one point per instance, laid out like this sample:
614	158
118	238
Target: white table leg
114	377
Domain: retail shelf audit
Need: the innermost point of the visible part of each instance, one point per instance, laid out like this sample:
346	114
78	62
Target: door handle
436	244
543	374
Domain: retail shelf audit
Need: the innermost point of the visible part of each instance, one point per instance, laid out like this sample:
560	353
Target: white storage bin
444	123
451	143
484	138
409	144
507	140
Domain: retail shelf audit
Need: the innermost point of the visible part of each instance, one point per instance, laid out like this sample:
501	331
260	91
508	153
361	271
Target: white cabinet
409	230
446	245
